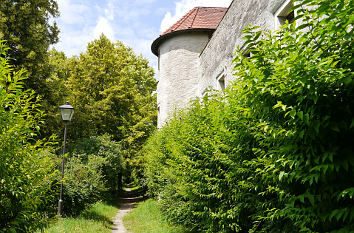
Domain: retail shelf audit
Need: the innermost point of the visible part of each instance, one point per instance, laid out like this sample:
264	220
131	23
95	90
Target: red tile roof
205	19
199	17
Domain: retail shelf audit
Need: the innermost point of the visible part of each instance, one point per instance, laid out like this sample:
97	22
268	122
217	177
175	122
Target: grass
147	218
97	218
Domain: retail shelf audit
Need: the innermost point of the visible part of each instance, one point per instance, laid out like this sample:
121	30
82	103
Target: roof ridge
179	22
198	17
195	16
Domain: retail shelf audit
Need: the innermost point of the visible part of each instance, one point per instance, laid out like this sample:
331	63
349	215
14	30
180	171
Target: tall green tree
26	27
111	89
57	93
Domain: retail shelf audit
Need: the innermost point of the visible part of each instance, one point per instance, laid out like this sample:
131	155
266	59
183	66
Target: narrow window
284	14
290	17
221	82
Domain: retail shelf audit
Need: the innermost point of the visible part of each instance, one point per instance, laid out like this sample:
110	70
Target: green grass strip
97	218
147	218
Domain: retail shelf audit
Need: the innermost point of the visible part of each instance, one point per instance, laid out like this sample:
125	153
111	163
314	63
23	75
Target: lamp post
67	112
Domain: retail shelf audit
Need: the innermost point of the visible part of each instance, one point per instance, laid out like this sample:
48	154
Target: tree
26	27
111	89
57	93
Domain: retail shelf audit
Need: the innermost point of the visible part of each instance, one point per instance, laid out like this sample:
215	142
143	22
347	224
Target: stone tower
178	50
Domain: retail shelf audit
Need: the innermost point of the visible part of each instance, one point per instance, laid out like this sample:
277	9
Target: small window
290	17
284	14
221	82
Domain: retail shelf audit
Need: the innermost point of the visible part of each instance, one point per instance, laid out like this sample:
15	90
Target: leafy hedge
274	152
27	167
92	172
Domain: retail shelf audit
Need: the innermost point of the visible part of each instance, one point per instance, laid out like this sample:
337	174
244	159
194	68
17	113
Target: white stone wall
216	59
178	72
190	63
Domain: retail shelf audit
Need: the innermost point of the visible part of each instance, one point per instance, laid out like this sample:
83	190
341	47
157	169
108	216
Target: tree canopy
111	89
26	27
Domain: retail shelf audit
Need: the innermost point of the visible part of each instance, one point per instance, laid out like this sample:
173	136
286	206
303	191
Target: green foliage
111	89
274	152
26	168
103	146
194	167
26	27
91	172
83	183
57	93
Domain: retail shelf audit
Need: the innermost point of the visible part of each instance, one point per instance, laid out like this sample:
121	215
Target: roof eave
156	44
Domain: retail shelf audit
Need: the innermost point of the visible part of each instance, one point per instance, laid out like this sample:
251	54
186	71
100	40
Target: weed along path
126	204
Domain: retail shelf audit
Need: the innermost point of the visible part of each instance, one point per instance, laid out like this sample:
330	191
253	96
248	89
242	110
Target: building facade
196	53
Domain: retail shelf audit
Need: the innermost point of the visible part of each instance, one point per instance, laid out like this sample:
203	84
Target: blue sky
134	22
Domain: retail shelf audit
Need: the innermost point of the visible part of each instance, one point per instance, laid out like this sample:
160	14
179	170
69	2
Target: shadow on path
125	204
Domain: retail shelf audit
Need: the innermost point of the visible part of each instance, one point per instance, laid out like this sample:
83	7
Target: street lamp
67	112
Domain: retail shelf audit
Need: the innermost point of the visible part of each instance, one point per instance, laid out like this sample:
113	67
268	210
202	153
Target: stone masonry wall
216	59
178	72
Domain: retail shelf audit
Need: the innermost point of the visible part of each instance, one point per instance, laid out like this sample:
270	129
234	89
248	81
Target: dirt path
126	204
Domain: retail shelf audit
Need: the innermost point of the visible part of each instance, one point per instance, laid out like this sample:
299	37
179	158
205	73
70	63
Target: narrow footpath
126	203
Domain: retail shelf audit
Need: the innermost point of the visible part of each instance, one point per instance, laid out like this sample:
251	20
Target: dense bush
274	152
92	172
83	182
27	170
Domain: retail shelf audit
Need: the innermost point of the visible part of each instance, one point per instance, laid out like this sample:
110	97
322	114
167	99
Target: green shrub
27	170
104	146
84	182
273	153
91	173
194	167
298	88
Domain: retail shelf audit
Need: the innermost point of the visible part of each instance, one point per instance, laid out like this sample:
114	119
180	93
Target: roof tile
199	17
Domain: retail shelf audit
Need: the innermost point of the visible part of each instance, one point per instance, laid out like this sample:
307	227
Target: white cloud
109	11
183	6
132	22
73	43
105	27
72	13
75	32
